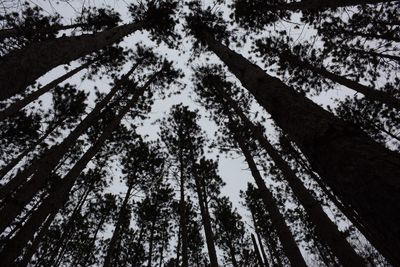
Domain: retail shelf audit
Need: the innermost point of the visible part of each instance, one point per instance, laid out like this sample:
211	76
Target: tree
49	54
331	138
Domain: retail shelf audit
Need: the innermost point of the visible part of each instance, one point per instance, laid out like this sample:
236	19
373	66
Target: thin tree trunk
183	215
369	92
370	36
151	242
315	5
325	228
206	221
20	104
67	230
21	68
257	252
289	245
93	243
17	160
116	234
59	194
178	246
264	255
20	32
41	168
37	240
233	255
256	230
375	54
349	161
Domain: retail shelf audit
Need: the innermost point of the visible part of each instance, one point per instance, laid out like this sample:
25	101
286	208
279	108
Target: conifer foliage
200	133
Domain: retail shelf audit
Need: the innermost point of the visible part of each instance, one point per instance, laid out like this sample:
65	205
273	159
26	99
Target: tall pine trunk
60	191
41	168
324	226
316	4
288	242
369	92
21	68
258	253
206	220
108	260
375	54
20	104
17	32
349	161
17	160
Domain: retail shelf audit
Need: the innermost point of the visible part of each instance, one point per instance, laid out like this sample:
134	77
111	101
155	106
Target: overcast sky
232	170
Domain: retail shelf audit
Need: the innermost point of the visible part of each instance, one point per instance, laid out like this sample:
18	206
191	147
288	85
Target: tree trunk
233	255
41	168
60	191
349	161
256	230
371	36
20	104
324	226
369	92
257	252
376	54
108	260
183	213
316	4
21	68
151	242
15	161
36	241
206	221
278	221
20	32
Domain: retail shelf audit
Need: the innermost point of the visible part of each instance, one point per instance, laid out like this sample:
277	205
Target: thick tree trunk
20	104
18	32
60	192
206	221
288	242
350	162
42	167
21	68
324	226
108	260
257	252
369	92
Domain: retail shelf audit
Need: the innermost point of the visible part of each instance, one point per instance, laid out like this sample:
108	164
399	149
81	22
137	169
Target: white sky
232	170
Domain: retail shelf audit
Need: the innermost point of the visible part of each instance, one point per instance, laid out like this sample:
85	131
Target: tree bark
21	68
108	260
18	32
317	5
288	242
370	93
324	226
376	54
206	221
257	252
40	169
15	161
349	161
60	191
20	104
37	240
